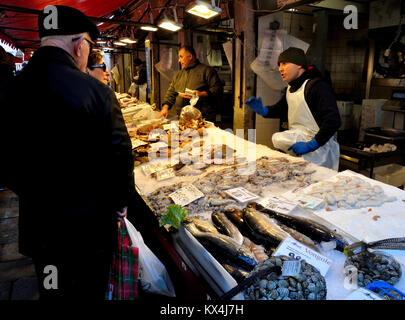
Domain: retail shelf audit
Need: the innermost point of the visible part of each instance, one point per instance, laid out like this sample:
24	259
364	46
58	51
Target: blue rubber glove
301	148
256	105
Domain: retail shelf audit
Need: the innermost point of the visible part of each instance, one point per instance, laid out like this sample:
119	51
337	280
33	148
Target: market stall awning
18	19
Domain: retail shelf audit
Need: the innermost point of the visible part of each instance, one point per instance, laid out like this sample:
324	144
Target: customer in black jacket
310	108
66	153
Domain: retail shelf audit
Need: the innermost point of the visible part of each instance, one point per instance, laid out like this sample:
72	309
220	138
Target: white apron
303	127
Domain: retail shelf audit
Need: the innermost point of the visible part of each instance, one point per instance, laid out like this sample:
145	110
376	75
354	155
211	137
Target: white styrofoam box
372	114
393	174
345	107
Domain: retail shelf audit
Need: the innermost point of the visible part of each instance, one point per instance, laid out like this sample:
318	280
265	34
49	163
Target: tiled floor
17	274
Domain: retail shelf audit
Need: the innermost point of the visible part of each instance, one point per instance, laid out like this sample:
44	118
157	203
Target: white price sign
186	195
294	249
307	201
136	143
165	174
241	194
278	204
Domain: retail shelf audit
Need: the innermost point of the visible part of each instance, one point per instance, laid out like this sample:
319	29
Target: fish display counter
243	207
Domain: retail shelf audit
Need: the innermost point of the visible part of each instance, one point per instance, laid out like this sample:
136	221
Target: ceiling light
149	28
101	41
169	24
119	43
128	40
203	9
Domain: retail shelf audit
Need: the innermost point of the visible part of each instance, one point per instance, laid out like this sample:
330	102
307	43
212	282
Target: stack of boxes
372	115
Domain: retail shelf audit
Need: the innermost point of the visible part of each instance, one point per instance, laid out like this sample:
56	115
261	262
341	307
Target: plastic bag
285	139
153	276
124	271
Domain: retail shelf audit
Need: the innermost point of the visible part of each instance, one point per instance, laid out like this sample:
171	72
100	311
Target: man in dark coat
195	76
66	153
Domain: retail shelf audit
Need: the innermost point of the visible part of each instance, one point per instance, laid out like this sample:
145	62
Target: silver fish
274	229
220	246
225	226
201	225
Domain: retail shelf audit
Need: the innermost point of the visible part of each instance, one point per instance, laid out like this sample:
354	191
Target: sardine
220	246
225	226
201	224
308	227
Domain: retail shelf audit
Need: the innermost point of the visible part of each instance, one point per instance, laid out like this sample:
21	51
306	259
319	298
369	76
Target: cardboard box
393	174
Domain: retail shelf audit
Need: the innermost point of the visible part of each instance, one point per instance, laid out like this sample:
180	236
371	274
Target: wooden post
245	53
370	68
319	40
155	95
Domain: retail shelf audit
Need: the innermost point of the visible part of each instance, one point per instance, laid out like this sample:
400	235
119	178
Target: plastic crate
382	288
393	174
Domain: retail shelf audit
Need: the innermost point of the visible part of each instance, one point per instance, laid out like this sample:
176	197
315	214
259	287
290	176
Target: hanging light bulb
128	40
203	9
119	43
150	27
169	24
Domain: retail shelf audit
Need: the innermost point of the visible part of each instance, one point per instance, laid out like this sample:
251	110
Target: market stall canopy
18	19
115	19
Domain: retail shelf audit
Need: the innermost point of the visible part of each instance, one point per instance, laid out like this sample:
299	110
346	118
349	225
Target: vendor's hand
201	93
185	96
301	148
121	214
164	112
256	105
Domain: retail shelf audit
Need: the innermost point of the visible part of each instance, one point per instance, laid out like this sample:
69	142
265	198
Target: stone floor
17	274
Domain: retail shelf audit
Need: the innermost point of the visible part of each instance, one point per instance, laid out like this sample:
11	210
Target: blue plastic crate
382	288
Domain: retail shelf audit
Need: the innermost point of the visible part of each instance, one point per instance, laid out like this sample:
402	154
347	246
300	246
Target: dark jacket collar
50	54
196	63
310	73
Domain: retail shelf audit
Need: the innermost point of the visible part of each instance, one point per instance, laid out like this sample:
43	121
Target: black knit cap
65	21
293	55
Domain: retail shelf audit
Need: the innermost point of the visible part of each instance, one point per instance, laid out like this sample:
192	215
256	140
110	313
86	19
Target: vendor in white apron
310	108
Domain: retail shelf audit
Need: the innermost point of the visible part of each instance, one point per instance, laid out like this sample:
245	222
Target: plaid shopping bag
123	279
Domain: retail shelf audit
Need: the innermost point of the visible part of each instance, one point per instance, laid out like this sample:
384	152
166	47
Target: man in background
200	78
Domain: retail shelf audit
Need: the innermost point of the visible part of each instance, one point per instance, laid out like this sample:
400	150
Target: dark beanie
64	20
137	62
293	55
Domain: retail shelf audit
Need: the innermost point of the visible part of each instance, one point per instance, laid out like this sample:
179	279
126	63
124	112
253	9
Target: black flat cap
293	55
64	20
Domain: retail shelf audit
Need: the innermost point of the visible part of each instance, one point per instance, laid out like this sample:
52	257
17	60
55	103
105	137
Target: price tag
292	248
307	201
136	143
186	195
165	174
278	204
291	268
170	126
154	136
154	147
241	194
151	168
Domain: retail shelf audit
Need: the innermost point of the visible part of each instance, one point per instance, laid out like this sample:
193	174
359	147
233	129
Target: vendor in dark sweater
310	108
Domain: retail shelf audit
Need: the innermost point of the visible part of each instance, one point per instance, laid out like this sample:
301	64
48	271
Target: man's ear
77	46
